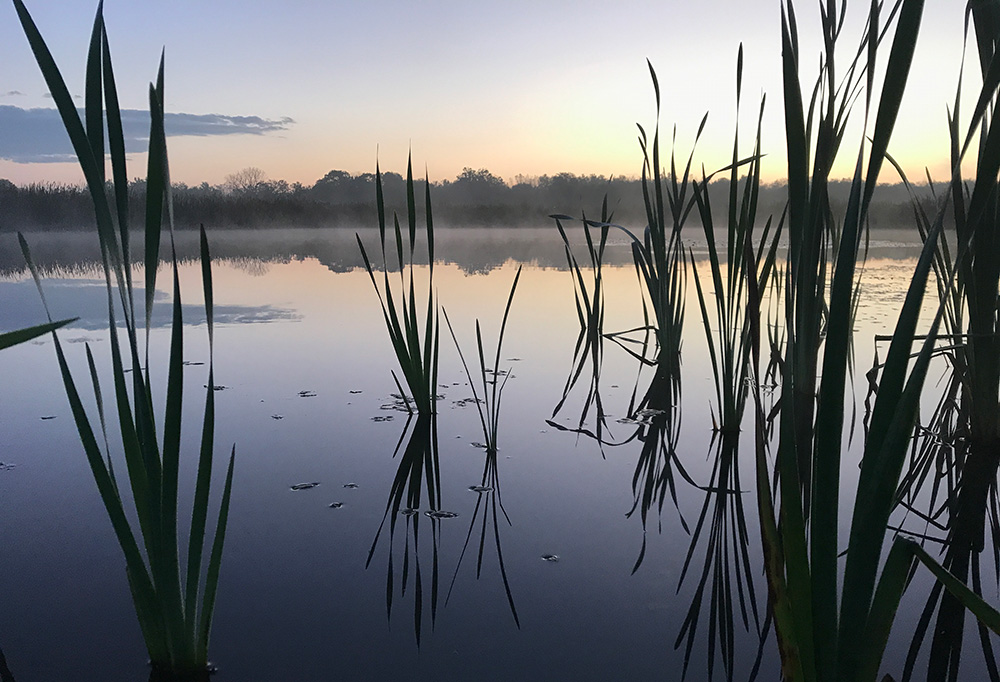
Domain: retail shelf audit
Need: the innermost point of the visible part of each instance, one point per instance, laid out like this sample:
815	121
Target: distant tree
277	187
333	188
477	188
334	177
394	191
479	177
249	181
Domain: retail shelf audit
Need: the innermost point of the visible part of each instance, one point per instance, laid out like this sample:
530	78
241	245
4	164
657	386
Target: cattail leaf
13	338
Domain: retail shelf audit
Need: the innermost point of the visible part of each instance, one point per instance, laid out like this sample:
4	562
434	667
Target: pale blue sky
519	87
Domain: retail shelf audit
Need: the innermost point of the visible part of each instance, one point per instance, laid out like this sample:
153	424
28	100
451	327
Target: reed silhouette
416	345
174	612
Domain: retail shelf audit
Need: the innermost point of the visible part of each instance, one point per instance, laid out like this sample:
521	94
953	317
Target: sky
520	87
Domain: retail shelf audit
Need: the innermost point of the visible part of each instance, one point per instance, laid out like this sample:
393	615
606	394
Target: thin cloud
13	93
38	136
216	124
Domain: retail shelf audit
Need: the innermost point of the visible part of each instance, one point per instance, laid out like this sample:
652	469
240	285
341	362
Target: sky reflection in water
308	398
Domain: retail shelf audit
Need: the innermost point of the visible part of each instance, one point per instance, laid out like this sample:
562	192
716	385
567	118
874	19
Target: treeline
475	197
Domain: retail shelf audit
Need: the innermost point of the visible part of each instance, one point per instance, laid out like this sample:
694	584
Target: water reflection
87	300
493	381
657	416
487	519
580	611
726	576
928	495
418	475
474	250
724	582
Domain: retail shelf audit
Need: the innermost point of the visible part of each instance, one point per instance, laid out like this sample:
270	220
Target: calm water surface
305	359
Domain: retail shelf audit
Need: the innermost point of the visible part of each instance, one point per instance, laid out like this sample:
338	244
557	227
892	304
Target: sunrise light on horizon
517	88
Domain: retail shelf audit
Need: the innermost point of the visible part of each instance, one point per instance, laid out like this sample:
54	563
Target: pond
541	570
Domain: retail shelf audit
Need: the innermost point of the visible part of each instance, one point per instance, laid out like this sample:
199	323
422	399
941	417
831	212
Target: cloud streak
38	136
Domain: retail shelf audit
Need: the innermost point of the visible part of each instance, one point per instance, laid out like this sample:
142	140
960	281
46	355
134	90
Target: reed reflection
486	518
729	301
725	576
657	416
415	492
654	345
655	413
492	382
589	350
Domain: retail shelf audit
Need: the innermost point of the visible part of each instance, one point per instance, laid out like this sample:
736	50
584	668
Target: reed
174	604
823	635
415	344
956	458
661	267
492	381
659	256
656	415
972	498
726	574
16	336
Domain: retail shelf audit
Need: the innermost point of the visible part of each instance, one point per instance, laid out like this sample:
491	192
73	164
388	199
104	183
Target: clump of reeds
415	344
659	255
659	259
661	266
829	629
174	604
956	457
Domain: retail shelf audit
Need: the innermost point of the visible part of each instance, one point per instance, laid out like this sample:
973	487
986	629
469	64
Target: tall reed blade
415	345
13	338
734	273
174	614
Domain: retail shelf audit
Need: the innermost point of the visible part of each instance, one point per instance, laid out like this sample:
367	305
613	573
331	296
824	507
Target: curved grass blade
13	338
